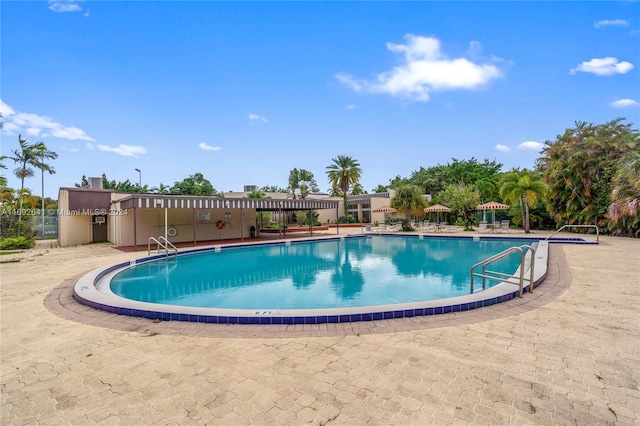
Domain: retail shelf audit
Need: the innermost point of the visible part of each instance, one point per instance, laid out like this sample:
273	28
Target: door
99	229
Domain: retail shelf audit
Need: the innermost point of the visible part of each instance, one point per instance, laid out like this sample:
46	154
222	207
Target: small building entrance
99	229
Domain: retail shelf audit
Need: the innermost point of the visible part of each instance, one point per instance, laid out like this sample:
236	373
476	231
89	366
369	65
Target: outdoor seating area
501	226
395	227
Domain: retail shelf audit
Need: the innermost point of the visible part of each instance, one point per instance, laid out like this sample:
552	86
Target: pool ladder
499	276
162	242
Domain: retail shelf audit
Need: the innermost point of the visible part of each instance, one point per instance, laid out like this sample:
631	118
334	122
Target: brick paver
568	354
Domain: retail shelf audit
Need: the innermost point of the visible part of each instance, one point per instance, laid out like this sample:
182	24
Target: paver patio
568	354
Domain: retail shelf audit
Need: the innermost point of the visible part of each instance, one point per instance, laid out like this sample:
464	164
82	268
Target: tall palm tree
344	173
42	153
525	188
29	156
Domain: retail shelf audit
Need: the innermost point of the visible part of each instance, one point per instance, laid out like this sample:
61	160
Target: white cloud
604	66
425	69
624	103
38	125
125	150
10	128
531	145
5	109
502	148
351	107
207	147
256	117
61	6
347	80
89	146
611	23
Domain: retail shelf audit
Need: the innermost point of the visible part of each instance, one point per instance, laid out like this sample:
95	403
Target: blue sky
244	92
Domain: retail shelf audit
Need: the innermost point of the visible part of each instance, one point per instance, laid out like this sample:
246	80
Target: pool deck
567	354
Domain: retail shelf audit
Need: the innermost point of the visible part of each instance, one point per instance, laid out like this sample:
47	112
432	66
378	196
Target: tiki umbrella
493	206
385	209
437	208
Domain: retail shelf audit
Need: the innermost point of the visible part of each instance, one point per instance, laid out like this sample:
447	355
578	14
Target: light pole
139	177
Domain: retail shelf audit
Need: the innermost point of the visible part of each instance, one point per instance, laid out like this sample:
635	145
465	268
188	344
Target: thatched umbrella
493	206
385	209
437	208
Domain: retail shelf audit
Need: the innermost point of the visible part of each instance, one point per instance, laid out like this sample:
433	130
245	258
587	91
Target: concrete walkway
571	355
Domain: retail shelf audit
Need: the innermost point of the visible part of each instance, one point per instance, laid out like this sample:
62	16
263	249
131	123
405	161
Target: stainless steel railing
500	276
161	241
578	226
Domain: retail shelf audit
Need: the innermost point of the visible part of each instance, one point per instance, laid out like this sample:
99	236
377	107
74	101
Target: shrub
348	219
13	243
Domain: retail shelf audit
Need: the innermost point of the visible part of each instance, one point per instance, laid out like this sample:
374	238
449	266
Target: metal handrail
485	274
578	226
168	244
159	243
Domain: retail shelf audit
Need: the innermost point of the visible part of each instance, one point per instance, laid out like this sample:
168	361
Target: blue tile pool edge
90	280
292	320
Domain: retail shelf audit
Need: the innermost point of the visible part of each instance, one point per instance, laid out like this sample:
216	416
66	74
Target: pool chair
453	228
380	228
504	225
427	226
482	227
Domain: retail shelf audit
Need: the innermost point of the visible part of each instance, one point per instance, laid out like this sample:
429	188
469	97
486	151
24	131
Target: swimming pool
334	280
314	274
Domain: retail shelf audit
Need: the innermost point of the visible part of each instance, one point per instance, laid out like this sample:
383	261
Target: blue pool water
324	274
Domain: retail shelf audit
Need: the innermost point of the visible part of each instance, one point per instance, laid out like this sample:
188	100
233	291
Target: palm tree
625	194
409	200
303	182
3	180
525	188
42	153
344	174
27	156
160	189
357	189
579	166
257	193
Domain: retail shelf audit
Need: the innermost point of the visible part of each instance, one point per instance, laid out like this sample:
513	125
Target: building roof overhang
210	202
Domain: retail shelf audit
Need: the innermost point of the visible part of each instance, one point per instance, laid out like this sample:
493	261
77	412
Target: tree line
590	174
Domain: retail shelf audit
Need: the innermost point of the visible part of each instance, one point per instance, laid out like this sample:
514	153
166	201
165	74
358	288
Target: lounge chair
504	225
482	227
396	227
427	226
380	228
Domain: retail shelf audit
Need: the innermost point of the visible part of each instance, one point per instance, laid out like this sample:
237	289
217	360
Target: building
94	214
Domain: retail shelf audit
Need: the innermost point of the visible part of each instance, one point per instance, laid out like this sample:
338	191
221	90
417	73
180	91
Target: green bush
349	219
13	243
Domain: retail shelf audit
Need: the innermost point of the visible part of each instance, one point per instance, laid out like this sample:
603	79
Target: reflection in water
347	280
353	272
